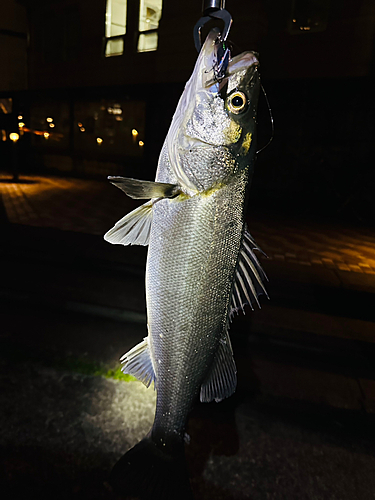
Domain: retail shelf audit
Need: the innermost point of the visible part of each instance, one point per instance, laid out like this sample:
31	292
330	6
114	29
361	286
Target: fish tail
146	472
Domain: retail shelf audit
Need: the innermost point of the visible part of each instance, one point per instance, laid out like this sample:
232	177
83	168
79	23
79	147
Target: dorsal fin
221	382
249	276
137	362
134	228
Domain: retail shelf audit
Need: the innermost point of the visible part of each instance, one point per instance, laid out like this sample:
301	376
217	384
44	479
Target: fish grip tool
212	9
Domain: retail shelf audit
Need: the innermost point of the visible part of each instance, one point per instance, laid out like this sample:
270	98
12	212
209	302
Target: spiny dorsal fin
133	229
222	379
137	362
249	277
145	189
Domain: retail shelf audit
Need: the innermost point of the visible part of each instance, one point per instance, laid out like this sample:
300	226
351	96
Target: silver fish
201	266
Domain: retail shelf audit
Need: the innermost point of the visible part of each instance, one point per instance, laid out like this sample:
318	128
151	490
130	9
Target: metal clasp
212	9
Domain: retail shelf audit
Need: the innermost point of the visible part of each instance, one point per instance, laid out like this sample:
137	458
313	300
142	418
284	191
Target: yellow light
20	117
141	143
46	135
134	132
51	125
79	124
14	137
21	124
99	140
49	120
82	129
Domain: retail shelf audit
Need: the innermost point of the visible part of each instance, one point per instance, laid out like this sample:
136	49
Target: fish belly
193	252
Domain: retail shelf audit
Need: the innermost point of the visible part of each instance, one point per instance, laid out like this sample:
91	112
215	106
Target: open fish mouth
242	61
218	63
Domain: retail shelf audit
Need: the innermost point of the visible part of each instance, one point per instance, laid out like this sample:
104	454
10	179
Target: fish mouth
212	55
242	61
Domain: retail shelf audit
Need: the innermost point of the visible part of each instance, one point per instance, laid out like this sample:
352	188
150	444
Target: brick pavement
312	326
92	207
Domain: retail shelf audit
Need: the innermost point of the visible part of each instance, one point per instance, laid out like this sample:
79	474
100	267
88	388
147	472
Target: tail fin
147	473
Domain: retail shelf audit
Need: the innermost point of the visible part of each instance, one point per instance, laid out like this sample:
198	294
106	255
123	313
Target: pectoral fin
134	228
222	379
145	189
137	362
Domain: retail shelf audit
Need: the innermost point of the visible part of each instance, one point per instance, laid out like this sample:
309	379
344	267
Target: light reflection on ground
86	206
90	206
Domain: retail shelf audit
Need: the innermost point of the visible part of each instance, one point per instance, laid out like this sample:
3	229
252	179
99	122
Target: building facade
96	81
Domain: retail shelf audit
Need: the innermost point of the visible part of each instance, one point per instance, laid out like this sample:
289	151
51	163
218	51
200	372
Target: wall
342	46
13	46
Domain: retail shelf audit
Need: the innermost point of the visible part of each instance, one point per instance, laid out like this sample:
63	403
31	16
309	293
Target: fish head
213	128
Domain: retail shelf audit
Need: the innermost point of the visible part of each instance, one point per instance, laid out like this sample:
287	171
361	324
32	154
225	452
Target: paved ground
92	207
300	425
61	430
322	286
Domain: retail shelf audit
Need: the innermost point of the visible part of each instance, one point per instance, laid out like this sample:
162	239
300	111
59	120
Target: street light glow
99	140
141	143
14	136
20	117
51	125
49	120
134	132
82	129
21	124
46	135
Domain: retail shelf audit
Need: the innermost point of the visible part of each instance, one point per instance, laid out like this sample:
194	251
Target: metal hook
212	9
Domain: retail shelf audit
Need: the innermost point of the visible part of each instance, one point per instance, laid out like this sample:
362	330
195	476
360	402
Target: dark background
317	71
300	425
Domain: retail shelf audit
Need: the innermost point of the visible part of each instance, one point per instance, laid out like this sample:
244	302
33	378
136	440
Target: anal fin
137	362
222	379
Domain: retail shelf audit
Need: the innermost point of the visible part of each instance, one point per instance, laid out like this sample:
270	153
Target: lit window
149	17
115	27
114	47
103	133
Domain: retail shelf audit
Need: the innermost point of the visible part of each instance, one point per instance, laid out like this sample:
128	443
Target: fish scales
196	242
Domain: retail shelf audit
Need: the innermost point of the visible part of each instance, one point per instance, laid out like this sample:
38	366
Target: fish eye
237	102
